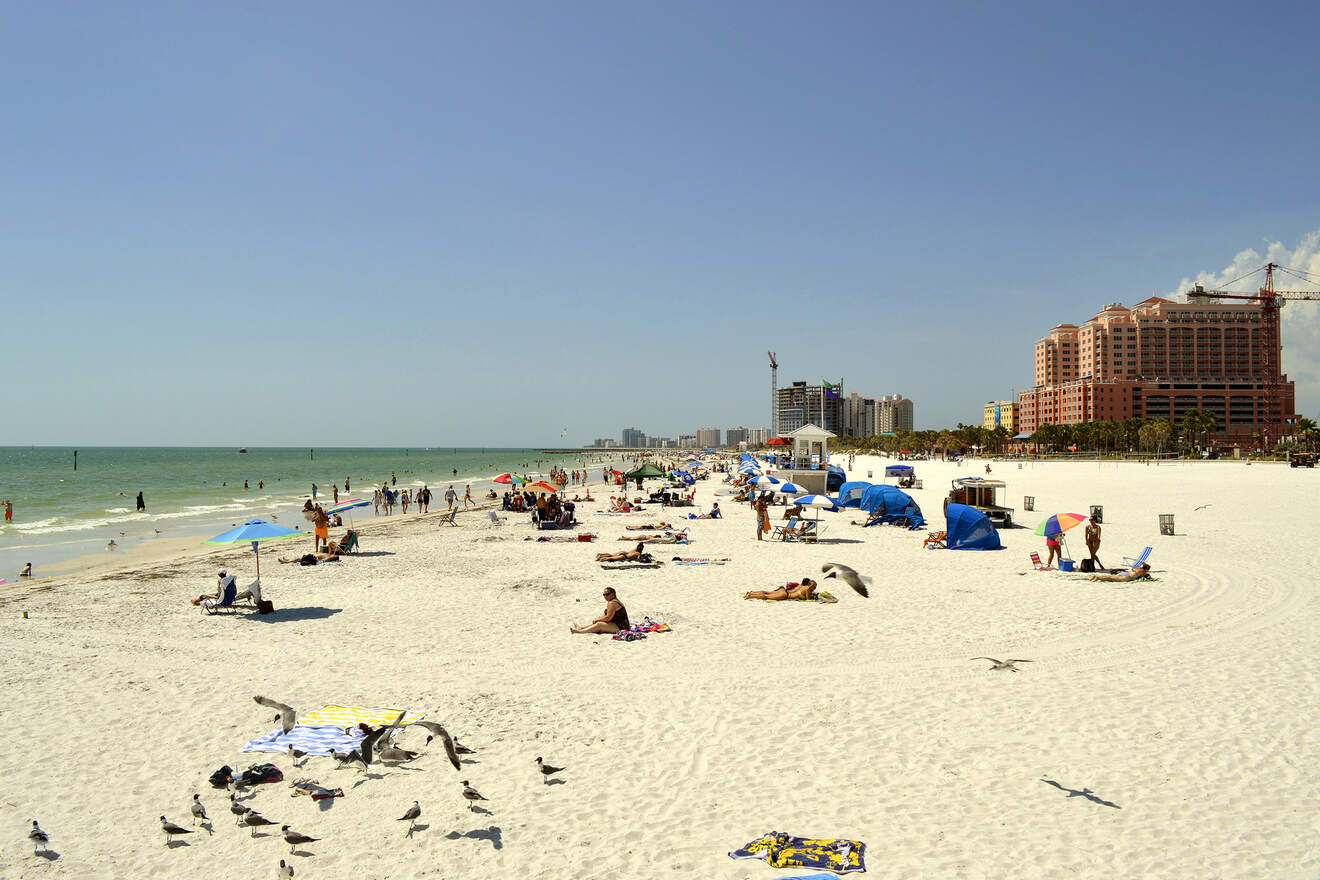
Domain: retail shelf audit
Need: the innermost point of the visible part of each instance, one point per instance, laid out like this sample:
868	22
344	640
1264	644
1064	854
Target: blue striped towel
330	727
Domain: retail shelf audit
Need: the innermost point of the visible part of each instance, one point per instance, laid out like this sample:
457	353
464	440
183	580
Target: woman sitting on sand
615	618
634	555
1133	574
790	590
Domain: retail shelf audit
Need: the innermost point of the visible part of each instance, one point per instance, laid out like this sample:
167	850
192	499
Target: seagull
198	811
395	755
295	754
411	815
239	810
345	760
285	870
157	531
472	795
451	748
848	576
546	770
287	717
1002	664
1203	507
255	820
38	837
111	544
293	838
171	830
368	744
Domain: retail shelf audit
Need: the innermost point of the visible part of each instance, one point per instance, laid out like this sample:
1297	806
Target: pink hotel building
1160	359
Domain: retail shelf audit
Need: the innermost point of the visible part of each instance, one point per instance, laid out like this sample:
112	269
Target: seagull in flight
848	576
1002	664
451	748
287	717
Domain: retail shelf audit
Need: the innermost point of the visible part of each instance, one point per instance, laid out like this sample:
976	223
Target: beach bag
222	777
259	773
265	606
1086	565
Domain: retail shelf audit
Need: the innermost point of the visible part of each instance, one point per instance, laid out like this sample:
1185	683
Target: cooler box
1065	565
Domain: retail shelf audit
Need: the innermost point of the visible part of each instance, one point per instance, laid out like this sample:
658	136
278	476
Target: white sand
1186	708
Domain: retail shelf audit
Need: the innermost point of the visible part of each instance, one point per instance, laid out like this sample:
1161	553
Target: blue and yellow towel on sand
326	728
781	850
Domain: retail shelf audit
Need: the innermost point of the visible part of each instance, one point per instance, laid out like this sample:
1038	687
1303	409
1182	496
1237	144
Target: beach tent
850	494
834	478
894	506
969	529
646	470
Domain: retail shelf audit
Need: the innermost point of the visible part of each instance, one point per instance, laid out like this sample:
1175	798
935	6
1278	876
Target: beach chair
935	541
350	544
226	600
494	518
811	531
1037	564
1133	563
251	595
448	518
781	532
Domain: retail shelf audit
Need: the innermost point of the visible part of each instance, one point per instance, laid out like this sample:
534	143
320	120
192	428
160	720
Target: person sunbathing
647	527
615	618
331	555
668	538
637	554
1133	574
790	590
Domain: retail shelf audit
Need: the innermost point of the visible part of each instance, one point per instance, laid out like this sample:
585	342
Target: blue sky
427	224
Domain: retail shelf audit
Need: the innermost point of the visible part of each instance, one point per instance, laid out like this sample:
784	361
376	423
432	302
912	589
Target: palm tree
1306	429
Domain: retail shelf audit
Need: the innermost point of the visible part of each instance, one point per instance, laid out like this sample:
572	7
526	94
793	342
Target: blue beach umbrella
256	531
789	489
765	481
822	502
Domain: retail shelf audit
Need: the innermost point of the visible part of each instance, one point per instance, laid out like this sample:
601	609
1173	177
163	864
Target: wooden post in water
311	454
75	459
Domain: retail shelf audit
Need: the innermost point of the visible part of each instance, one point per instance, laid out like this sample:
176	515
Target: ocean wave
117	510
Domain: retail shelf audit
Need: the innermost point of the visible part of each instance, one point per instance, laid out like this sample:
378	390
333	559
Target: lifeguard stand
810	440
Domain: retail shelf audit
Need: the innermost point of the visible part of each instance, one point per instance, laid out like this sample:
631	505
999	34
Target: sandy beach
1162	729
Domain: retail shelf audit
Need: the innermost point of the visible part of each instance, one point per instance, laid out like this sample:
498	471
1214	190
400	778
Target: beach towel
785	851
326	728
701	560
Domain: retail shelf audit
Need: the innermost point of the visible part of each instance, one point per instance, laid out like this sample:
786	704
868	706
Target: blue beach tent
834	478
899	470
969	529
850	494
894	506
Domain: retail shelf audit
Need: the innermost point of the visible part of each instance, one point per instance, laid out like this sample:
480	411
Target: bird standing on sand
287	717
171	830
472	796
286	871
198	811
295	754
346	759
411	816
239	810
39	838
255	820
1001	665
451	747
293	838
848	576
546	770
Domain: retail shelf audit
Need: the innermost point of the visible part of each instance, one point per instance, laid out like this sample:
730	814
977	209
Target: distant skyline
315	224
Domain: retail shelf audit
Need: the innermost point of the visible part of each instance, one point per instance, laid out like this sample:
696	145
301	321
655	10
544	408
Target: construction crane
1270	301
774	395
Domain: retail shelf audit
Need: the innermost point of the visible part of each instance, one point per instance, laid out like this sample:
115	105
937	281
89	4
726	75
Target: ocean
61	514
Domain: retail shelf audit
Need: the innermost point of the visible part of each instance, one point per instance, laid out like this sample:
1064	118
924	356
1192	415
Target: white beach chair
494	518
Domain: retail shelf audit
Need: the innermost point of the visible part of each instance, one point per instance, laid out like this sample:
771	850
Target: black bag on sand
222	777
266	607
1087	565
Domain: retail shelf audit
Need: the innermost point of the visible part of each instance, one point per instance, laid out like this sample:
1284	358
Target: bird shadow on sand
550	782
313	612
48	854
1082	793
492	834
326	804
415	828
366	776
171	844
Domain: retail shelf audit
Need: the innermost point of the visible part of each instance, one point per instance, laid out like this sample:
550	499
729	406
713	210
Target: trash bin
1028	502
1097	513
1166	524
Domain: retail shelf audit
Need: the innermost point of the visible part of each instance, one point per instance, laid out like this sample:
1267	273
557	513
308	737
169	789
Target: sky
488	224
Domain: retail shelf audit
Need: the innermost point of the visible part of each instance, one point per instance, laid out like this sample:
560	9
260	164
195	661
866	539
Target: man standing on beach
335	486
141	505
450	497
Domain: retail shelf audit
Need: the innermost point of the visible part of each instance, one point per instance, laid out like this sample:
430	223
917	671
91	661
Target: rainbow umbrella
509	479
347	507
541	488
1059	523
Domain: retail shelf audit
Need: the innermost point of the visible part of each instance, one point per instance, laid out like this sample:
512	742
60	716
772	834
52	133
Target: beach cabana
969	529
850	494
893	505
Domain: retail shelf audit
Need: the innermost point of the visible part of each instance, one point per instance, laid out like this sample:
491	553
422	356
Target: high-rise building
734	436
632	438
708	438
1161	359
894	414
1000	414
757	436
687	441
800	404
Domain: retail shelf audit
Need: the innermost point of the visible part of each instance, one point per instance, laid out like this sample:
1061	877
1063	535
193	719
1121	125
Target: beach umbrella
820	502
776	441
765	481
541	488
1059	523
347	507
256	531
509	479
789	489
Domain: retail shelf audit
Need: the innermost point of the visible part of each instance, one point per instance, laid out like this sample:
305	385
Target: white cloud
1301	320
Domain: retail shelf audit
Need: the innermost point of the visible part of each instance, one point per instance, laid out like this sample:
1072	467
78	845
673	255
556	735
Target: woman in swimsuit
615	618
791	590
623	556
